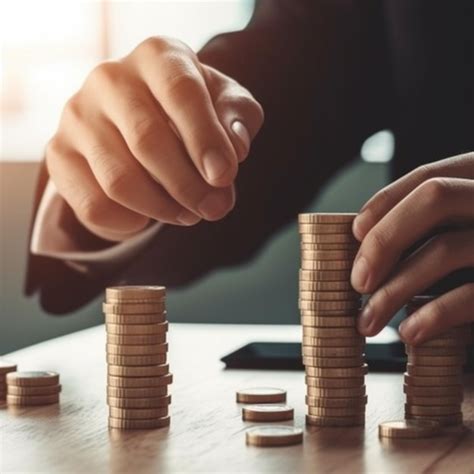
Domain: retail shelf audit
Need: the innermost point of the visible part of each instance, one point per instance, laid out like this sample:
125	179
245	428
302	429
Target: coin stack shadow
137	370
333	350
5	368
433	380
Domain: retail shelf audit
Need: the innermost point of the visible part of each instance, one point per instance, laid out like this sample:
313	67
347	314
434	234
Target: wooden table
207	433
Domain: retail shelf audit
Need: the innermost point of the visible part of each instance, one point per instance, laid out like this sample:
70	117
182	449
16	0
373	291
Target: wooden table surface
207	433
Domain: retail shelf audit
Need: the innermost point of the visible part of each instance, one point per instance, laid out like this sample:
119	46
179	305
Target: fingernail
242	133
360	274
365	319
360	225
215	165
214	206
188	218
407	329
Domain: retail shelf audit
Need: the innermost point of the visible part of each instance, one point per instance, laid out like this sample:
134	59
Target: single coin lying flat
409	429
274	436
261	395
267	412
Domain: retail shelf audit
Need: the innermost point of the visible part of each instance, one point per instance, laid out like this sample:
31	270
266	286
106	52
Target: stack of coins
137	370
5	368
433	381
333	350
33	388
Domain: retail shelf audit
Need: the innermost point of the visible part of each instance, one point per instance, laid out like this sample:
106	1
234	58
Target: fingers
435	202
449	310
461	166
439	257
175	80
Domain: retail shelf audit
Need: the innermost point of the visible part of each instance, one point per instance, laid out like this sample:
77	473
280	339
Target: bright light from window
379	147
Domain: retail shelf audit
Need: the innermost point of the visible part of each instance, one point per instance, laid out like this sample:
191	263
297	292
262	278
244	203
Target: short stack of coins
33	388
433	380
137	371
333	350
5	368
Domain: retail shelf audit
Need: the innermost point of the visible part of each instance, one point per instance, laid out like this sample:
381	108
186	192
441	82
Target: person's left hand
440	194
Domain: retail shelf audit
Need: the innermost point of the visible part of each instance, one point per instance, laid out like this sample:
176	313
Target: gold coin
274	435
326	286
328	322
443	420
348	382
449	390
352	392
124	301
425	371
335	421
326	264
326	217
136	339
261	395
139	308
139	382
33	378
310	238
128	360
436	361
315	246
331	255
436	351
314	351
446	342
336	402
22	391
309	331
333	341
339	362
432	381
338	411
409	429
138	413
329	305
126	424
329	295
137	371
137	329
32	400
148	402
132	292
7	366
137	350
323	229
135	318
268	412
429	401
434	410
332	372
120	392
325	275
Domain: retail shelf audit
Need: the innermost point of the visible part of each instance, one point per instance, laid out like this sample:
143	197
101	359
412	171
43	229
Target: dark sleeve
306	62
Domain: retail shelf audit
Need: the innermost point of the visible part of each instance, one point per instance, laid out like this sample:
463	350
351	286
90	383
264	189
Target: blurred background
47	49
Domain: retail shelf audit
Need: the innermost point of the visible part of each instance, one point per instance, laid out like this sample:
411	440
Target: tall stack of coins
433	381
137	370
5	368
33	388
333	350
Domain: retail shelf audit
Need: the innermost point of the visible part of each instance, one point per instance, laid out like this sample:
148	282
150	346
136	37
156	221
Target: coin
138	424
352	392
434	410
120	392
329	286
329	305
32	400
409	429
140	339
336	402
20	390
314	351
325	275
137	350
458	350
139	402
329	295
334	421
449	390
336	411
350	246
327	218
322	255
139	382
443	420
331	322
324	229
310	238
132	292
139	308
154	359
137	329
444	342
436	361
342	372
261	395
326	264
137	371
334	341
267	413
35	378
429	401
152	318
138	413
339	362
274	436
426	371
334	382
330	332
7	366
432	381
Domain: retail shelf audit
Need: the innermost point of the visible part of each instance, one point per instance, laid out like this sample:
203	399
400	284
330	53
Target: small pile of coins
433	381
333	350
5	368
137	370
33	388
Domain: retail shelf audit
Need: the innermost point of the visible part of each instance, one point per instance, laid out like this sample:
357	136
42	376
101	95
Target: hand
156	135
410	209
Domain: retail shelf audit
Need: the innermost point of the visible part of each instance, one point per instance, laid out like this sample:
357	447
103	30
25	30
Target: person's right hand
157	135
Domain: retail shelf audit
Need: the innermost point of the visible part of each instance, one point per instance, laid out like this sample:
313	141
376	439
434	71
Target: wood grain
207	433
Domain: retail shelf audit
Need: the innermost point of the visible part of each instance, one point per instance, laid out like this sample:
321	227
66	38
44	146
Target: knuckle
73	109
115	184
91	210
105	73
377	242
158	45
143	133
435	190
184	85
424	172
